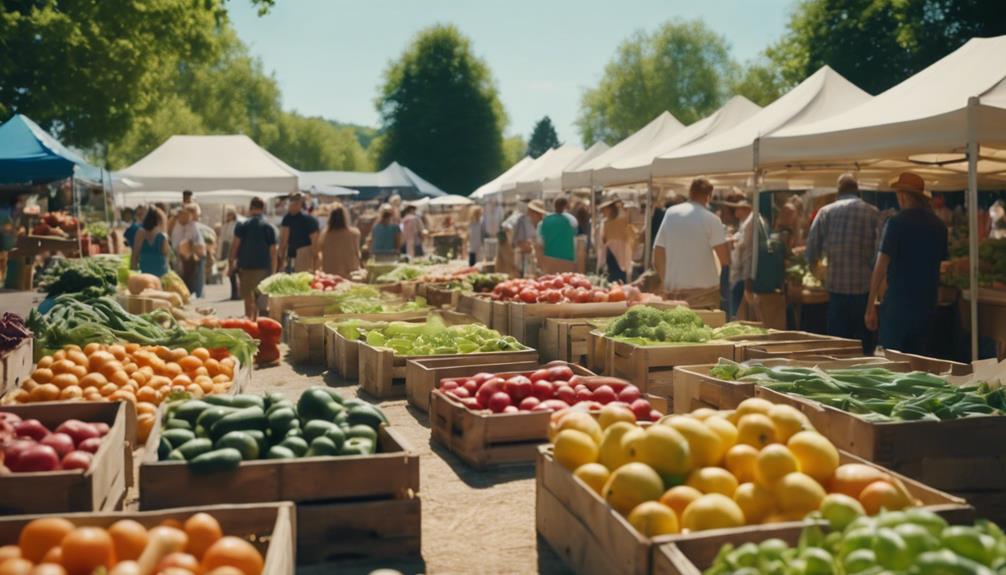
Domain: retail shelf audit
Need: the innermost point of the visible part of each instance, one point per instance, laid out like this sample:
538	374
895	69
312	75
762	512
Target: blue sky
329	56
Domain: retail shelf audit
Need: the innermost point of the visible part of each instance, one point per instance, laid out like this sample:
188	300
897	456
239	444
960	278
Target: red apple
583	394
90	445
655	415
36	458
471	385
448	384
78	460
471	403
560	372
511	409
32	428
102	428
78	430
61	442
565	394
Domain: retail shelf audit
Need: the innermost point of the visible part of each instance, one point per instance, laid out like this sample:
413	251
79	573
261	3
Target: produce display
267	331
552	388
760	463
54	545
737	329
97	230
27	445
12	331
83	277
432	270
647	325
433	337
799	273
991	265
908	542
301	283
565	288
217	433
874	393
56	224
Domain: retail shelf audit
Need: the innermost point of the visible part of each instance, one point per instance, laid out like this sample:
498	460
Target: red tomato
539	374
641	408
482	376
448	384
629	394
471	385
599	295
581	295
487	390
77	460
566	394
603	395
529	403
499	401
583	395
459	392
551	296
529	295
542	389
510	409
616	294
560	372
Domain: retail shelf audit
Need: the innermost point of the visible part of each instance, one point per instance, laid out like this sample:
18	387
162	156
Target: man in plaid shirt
846	233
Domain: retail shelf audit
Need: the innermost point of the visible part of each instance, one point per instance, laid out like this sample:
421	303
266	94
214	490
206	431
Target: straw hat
536	206
608	203
911	183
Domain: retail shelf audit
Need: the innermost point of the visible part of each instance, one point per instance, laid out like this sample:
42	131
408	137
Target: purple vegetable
12	331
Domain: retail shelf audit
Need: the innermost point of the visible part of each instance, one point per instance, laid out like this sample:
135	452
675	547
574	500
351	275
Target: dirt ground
472	522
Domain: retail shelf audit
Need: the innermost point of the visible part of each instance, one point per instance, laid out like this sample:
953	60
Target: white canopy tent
508	188
451	200
493	186
659	129
531	183
206	164
234	197
552	185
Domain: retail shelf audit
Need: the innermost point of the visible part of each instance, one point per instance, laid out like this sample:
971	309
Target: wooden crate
479	306
347	507
501	317
16	365
102	487
813	348
565	339
526	319
929	364
694	387
591	537
383	372
279	304
693	553
422	375
651	368
597	352
307	338
484	440
438	295
267	526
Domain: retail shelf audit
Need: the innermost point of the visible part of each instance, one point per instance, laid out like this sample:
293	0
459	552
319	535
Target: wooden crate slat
422	375
354	530
692	554
16	365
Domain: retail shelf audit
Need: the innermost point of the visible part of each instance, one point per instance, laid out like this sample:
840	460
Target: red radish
529	403
542	390
78	460
102	428
448	384
583	394
36	458
539	375
90	445
510	409
629	394
560	372
641	409
498	401
471	385
61	442
566	395
32	428
603	395
78	430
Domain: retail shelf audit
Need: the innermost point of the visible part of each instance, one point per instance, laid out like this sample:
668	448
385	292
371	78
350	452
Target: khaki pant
697	298
303	262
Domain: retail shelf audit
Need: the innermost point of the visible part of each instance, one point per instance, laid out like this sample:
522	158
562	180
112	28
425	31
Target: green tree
440	112
315	144
878	43
681	68
514	149
543	137
760	81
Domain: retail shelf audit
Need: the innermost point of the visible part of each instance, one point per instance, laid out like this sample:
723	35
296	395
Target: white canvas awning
659	129
209	163
634	168
233	197
553	183
531	182
494	186
824	94
451	200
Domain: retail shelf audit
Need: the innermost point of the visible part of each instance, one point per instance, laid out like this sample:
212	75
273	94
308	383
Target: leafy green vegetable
431	337
287	284
737	329
89	277
647	325
401	273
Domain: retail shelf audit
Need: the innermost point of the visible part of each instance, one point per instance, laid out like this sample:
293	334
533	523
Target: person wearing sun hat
912	245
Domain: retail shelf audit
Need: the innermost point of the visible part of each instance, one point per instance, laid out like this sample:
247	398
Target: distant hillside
364	134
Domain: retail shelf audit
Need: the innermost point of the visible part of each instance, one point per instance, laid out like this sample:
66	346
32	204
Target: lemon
756	430
580	421
713	480
712	511
610	453
704	444
702	413
740	460
798	493
773	463
724	429
660	447
788	421
612	413
679	497
574	448
815	455
753	405
594	475
652	518
630	485
755	501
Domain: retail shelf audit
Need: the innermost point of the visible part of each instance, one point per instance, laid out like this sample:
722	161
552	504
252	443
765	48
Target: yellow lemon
594	475
756	430
611	454
705	445
630	485
724	429
753	405
574	448
702	413
798	493
662	448
774	462
740	460
612	413
816	456
713	480
788	421
712	511
679	497
652	518
755	501
580	421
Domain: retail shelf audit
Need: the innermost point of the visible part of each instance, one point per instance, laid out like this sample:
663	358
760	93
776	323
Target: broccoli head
681	315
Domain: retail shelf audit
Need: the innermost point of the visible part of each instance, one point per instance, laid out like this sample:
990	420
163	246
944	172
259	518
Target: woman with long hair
150	245
386	237
340	244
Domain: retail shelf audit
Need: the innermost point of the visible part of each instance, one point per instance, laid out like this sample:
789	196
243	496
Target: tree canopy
543	137
440	112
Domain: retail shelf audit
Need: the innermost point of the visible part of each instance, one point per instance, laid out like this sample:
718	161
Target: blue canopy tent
393	179
28	154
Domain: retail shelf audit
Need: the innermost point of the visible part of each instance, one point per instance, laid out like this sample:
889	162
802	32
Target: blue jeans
845	319
906	327
736	297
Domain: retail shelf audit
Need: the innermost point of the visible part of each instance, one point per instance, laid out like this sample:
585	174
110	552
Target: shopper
912	246
617	236
298	238
150	245
558	238
252	254
689	241
340	244
386	236
475	235
846	233
189	247
138	215
525	236
741	258
412	232
226	238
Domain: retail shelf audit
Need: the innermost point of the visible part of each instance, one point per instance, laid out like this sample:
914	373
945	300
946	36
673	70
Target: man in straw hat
913	244
525	234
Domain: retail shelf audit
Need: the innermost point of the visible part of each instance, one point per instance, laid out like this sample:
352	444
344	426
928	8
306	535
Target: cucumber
342	417
280	419
260	439
317	428
190	410
294	432
163	449
316	403
366	415
175	455
177	437
272	398
357	446
295	444
241	441
194	448
322	446
240	420
201	431
280	452
280	405
334	394
175	423
226	459
220	400
353	402
363	431
337	436
213	415
248	400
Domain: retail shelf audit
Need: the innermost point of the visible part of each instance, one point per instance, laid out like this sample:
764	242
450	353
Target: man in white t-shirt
688	242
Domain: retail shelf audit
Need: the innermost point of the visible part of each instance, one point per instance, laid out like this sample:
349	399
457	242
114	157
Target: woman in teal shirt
150	246
386	237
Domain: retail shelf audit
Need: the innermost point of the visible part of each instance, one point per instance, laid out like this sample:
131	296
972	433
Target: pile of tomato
557	288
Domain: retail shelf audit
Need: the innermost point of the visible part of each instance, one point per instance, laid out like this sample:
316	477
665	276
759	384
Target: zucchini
337	436
317	428
194	448
220	400
240	420
322	446
295	444
190	410
213	415
272	398
242	441
316	403
260	439
280	452
280	405
175	455
357	446
175	423
177	437
280	420
365	415
248	400
226	459
363	431
163	449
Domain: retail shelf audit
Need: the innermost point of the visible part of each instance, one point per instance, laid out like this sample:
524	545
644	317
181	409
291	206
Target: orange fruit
93	379
235	553
161	351
170	522
172	369
140	377
9	552
713	480
64	380
221	378
119	377
109	368
79	371
118	350
15	567
129	539
21	396
45	362
29	385
41	535
45	392
204	382
178	353
42	375
86	549
129	367
740	460
144	423
182	380
147	395
190	363
756	430
59	355
71	392
62	366
201	371
55	555
679	497
130	347
92	347
108	389
202	353
77	357
184	562
122	395
212	367
882	495
203	531
773	463
146	407
852	478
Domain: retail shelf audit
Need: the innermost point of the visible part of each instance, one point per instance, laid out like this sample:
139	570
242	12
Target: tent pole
756	208
648	226
593	225
972	153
